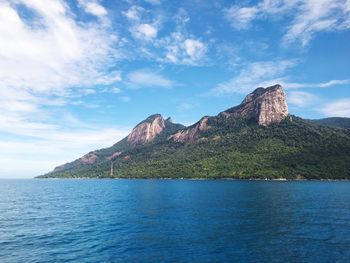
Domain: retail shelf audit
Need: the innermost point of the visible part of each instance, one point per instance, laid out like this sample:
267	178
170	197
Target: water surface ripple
174	221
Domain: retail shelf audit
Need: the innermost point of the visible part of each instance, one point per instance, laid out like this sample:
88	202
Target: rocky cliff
264	105
147	130
190	133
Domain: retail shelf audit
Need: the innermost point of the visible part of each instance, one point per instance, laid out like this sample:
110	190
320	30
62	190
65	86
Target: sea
122	220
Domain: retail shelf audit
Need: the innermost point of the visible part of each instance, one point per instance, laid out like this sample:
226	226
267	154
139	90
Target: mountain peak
147	130
264	105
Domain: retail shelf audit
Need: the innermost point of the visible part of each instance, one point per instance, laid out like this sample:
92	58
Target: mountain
153	128
256	139
335	122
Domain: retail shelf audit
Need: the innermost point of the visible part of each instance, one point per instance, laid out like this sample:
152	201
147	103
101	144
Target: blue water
174	221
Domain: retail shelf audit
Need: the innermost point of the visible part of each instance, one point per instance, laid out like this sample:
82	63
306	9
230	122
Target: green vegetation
231	148
335	122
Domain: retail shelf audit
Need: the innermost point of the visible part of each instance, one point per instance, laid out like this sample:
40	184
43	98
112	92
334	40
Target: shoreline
194	179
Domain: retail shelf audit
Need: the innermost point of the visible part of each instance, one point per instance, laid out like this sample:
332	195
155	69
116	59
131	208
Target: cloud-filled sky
78	75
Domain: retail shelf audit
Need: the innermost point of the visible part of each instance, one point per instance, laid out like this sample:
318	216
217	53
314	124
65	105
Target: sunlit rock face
189	134
264	105
147	130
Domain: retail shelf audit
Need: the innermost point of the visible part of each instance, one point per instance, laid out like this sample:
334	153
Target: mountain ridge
263	115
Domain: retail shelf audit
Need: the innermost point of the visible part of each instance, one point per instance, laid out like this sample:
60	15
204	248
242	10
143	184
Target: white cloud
308	17
267	73
48	59
327	84
145	78
301	98
257	74
54	55
145	31
134	13
240	17
44	63
52	148
334	82
93	7
183	50
338	108
195	49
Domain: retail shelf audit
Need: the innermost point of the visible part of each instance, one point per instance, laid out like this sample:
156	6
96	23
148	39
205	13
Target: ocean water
174	221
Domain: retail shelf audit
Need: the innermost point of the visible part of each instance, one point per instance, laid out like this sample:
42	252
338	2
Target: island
257	139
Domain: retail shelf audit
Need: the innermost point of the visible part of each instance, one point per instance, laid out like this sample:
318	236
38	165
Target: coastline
194	179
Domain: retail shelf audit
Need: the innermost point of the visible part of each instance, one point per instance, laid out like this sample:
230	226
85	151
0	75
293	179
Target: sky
77	75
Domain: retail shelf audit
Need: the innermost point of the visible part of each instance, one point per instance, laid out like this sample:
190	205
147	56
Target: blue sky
78	75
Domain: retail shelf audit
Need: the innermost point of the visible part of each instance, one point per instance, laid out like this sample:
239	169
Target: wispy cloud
146	78
301	98
326	84
309	17
267	73
241	17
338	108
187	105
262	73
37	156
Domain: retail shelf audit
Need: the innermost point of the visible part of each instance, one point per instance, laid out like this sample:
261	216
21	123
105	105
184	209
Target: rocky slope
256	139
265	106
189	134
147	130
143	133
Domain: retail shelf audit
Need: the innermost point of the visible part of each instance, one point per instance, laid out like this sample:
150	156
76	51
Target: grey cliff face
147	130
266	106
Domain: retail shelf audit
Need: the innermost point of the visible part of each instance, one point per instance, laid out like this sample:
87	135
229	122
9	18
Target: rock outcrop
189	134
264	105
147	130
89	158
112	156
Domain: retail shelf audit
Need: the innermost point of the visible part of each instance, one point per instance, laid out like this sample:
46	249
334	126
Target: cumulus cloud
183	50
195	49
134	13
144	31
93	7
